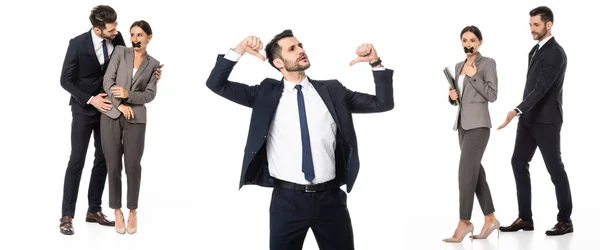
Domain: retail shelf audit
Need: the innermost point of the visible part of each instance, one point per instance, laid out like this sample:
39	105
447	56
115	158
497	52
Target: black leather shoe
99	218
518	224
561	228
66	225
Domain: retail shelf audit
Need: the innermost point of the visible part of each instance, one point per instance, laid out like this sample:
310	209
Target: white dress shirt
98	49
284	142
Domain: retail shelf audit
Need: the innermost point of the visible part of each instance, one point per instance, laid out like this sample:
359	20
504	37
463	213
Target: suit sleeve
146	96
382	101
485	82
218	83
551	67
67	76
111	75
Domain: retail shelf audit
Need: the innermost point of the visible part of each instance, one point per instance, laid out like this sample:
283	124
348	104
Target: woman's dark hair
143	25
474	30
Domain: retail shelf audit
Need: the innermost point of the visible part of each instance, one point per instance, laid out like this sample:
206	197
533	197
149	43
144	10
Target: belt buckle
308	190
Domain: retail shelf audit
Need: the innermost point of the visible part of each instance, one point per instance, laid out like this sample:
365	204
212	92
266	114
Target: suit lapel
129	69
273	102
324	93
533	58
142	67
90	49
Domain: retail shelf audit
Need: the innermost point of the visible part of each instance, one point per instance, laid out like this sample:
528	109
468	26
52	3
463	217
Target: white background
406	195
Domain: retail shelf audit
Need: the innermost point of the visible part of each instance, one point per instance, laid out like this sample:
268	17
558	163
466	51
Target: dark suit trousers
82	127
471	176
121	138
547	138
292	213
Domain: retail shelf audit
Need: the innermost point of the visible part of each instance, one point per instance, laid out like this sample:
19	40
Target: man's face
538	28
110	32
292	54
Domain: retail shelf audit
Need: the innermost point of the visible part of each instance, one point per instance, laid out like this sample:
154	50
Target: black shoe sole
67	232
95	221
557	234
513	230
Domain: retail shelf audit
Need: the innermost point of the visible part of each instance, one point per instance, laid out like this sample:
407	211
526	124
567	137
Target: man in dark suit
301	139
540	122
84	66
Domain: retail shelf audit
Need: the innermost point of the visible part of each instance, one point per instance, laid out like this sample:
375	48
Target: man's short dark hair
544	12
273	49
101	15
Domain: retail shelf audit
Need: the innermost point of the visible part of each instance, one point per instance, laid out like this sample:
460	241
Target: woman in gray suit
477	85
130	83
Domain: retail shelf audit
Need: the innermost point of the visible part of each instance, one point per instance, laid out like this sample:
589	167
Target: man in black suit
301	139
540	122
84	66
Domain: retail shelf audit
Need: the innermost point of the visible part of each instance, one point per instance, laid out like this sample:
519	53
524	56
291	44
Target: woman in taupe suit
477	85
130	83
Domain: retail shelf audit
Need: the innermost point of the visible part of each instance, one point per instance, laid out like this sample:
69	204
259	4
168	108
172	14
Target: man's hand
511	114
453	94
127	111
101	104
366	53
158	72
119	92
251	45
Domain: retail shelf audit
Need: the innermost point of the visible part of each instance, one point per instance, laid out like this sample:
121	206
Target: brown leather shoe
518	224
66	225
100	218
561	228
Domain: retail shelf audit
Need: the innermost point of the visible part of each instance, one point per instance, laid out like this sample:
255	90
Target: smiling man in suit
83	70
301	139
540	122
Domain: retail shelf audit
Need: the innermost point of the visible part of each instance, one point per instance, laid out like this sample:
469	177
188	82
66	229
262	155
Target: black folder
451	81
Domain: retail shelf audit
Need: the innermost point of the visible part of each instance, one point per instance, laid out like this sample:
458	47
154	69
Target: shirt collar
542	42
96	39
291	85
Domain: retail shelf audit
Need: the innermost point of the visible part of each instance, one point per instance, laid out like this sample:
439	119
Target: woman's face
470	41
139	38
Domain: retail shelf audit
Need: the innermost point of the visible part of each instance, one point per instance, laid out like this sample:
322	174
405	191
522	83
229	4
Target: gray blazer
477	92
141	87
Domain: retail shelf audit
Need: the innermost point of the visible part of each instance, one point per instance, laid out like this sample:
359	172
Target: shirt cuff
519	112
232	56
90	100
379	69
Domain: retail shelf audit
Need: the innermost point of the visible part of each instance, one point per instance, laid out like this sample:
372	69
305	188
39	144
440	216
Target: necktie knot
298	87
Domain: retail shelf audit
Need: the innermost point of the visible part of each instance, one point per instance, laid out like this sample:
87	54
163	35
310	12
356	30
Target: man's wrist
518	111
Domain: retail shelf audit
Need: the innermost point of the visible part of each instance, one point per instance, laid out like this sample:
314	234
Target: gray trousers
471	176
121	139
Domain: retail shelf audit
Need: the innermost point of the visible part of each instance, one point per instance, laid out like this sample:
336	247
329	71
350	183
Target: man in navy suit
301	139
540	122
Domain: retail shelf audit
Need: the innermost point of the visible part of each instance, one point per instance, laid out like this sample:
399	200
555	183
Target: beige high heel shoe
495	226
467	230
132	230
120	230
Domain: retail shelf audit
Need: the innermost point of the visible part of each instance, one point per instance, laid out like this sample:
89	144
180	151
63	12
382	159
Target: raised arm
484	80
383	100
218	82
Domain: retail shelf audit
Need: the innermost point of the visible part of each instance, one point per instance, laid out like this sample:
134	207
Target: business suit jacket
264	99
478	90
542	97
82	73
141	87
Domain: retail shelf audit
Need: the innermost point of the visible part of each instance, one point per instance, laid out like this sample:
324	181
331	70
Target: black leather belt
307	188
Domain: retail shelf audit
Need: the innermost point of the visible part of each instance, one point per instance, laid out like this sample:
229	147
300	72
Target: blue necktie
307	161
105	51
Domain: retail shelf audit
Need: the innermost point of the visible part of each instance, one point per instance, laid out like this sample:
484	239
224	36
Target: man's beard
541	35
295	66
